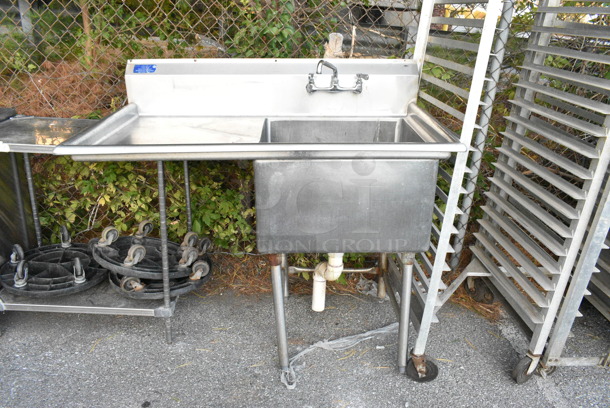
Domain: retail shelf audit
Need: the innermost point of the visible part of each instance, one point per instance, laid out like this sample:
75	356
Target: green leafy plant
265	30
90	196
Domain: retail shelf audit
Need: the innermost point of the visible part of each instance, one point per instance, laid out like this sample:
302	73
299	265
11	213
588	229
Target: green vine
90	196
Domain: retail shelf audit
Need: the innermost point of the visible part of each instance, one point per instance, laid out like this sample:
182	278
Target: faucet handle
359	77
311	84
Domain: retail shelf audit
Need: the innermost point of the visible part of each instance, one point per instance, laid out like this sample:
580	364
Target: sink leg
383	268
164	254
284	265
187	196
405	306
280	317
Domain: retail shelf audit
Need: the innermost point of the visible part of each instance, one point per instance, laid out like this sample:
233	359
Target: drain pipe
330	271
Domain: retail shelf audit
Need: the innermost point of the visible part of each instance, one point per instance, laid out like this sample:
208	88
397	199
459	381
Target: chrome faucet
334	80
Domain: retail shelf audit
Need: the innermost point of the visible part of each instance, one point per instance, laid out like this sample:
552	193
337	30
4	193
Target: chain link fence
66	59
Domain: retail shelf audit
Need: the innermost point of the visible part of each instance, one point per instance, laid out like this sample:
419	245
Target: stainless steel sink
356	205
347	130
335	171
331	131
330	206
127	135
217	109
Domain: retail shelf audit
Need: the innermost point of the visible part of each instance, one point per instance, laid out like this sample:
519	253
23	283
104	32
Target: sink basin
364	204
384	130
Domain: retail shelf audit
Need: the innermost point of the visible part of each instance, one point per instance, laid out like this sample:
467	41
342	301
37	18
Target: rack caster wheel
189	255
431	371
109	235
79	272
200	269
479	291
519	373
21	275
204	245
131	284
144	229
190	240
135	254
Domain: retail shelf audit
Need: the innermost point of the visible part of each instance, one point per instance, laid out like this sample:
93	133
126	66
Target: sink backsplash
267	87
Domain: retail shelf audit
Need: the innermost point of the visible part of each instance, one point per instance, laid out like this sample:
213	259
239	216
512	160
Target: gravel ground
224	355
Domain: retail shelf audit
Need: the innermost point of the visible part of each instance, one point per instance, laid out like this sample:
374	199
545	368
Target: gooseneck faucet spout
323	63
334	80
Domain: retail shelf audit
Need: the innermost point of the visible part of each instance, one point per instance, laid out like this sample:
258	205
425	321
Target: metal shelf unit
100	299
583	275
478	143
549	172
422	278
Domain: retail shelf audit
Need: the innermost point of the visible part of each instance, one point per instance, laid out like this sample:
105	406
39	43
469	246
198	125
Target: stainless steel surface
18	193
164	249
32	194
187	196
267	87
253	109
6	113
28	134
271	154
409	132
280	318
127	136
285	272
217	109
544	118
581	277
393	279
327	64
405	303
599	286
480	139
428	296
99	300
344	205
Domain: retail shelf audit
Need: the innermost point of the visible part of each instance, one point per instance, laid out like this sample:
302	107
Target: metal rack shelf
584	274
423	276
18	137
541	201
101	299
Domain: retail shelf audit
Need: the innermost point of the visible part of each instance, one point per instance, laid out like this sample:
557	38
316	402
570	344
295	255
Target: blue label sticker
144	69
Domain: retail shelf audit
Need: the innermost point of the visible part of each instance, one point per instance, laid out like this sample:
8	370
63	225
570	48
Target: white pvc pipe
335	266
331	271
318	298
